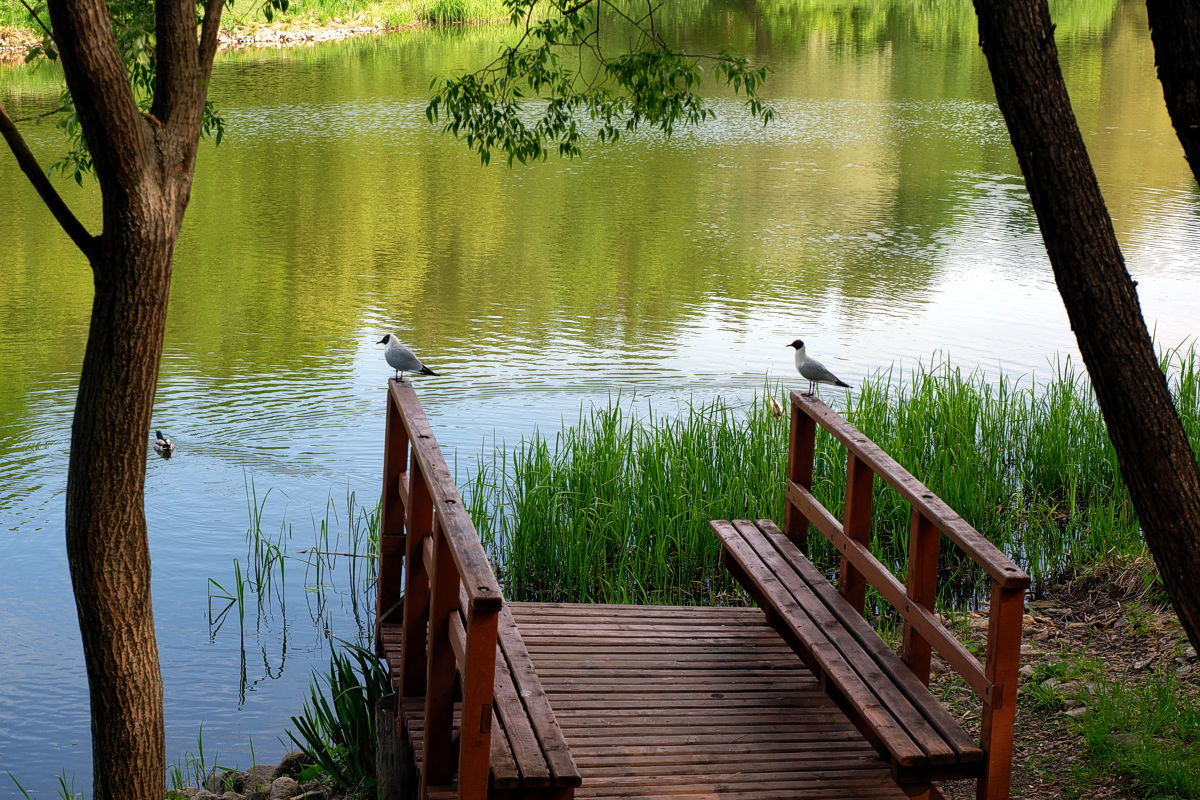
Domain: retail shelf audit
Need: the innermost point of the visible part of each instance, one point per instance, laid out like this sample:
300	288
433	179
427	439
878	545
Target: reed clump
615	508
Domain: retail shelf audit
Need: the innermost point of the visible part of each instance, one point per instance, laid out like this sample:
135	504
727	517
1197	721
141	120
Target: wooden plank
795	616
458	638
957	656
933	712
414	644
819	754
882	673
470	560
924	540
974	544
527	753
389	585
802	441
856	526
541	715
441	662
478	687
1005	615
505	774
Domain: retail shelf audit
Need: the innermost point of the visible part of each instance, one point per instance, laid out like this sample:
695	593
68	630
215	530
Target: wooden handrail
995	681
970	541
483	590
451	599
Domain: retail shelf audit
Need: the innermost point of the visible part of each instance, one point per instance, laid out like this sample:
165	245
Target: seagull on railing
813	371
163	445
401	359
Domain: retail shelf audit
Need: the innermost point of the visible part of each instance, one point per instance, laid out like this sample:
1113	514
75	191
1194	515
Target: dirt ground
1111	616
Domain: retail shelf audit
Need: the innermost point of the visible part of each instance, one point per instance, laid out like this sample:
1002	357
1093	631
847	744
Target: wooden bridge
800	699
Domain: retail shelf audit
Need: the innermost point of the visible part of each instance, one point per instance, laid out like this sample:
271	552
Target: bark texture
1175	30
1156	459
144	165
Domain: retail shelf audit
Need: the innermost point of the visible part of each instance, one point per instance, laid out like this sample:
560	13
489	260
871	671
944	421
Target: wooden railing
448	590
995	681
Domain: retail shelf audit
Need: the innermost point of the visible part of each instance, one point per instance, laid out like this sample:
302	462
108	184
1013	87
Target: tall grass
615	508
337	727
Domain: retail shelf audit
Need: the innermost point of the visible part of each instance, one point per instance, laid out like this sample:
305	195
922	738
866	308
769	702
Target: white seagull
812	370
401	359
163	445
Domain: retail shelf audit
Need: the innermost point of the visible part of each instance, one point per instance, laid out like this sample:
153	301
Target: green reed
615	508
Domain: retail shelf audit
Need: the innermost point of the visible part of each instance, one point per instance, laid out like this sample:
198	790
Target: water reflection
881	217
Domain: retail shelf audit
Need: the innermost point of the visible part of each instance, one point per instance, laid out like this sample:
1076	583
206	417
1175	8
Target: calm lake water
881	218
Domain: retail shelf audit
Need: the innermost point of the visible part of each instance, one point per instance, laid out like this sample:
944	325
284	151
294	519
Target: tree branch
117	135
73	227
208	37
38	20
176	66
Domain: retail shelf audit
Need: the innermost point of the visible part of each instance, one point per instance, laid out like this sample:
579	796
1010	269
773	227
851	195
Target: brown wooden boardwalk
799	698
687	702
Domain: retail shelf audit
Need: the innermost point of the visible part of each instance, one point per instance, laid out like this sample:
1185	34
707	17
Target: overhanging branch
208	36
74	228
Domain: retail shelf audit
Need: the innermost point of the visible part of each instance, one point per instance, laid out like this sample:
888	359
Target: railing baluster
479	677
391	521
416	585
1005	617
860	483
923	541
439	679
802	442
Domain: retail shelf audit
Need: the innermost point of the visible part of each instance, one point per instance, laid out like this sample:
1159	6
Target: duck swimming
163	445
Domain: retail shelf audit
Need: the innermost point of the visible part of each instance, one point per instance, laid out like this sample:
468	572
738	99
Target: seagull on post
401	359
813	371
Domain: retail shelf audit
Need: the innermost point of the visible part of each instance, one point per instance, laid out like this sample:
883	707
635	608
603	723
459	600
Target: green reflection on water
334	206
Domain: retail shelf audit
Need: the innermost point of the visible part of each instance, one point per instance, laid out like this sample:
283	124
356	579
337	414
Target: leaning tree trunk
1175	30
1156	460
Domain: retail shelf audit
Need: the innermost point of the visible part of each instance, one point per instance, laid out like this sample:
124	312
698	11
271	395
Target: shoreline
15	43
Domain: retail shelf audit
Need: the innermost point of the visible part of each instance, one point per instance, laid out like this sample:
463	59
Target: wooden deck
670	702
802	699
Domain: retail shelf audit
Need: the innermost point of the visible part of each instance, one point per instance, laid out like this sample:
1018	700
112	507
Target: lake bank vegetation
615	507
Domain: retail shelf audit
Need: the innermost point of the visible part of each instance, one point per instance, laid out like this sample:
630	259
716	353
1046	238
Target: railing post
391	519
439	679
413	644
860	483
479	678
923	542
1000	709
802	442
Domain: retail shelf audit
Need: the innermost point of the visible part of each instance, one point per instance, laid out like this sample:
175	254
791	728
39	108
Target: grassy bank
615	507
319	13
371	13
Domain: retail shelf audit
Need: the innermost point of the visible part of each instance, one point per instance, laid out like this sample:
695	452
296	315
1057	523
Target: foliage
337	727
561	57
133	23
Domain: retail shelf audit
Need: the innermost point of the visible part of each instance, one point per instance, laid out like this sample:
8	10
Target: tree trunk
1156	460
107	547
144	165
1175	30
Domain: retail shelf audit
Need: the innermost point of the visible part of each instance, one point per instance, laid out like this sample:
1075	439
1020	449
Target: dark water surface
881	217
